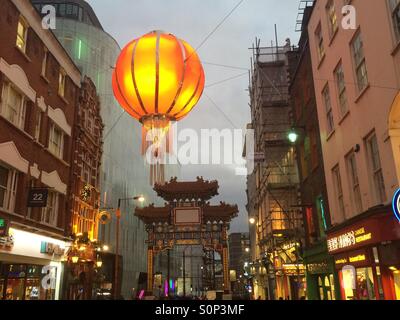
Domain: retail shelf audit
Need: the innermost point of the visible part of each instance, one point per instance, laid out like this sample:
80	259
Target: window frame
338	186
44	63
22	39
359	62
58	153
375	168
5	105
341	89
354	181
333	26
10	189
395	10
61	83
320	42
38	125
51	209
328	110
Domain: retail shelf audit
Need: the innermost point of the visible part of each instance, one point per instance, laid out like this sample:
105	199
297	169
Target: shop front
321	277
367	257
30	266
291	282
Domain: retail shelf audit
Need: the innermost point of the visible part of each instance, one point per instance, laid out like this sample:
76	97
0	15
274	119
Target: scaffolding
303	4
276	198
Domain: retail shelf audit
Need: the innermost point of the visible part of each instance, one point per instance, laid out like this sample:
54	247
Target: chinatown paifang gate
187	219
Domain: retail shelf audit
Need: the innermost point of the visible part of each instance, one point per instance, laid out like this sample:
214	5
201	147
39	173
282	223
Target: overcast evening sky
193	20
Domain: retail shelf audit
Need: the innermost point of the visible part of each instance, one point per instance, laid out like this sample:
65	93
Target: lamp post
118	215
293	134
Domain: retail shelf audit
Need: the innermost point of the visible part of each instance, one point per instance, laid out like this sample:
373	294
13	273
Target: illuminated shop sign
357	258
51	248
318	268
349	239
340	261
3	227
292	269
396	204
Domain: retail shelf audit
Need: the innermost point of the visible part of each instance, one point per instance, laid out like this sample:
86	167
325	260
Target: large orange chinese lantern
158	78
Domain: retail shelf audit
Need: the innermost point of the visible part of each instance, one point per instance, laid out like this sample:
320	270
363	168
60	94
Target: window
38	122
68	43
86	168
44	62
359	62
395	12
328	109
50	212
320	43
337	182
13	105
8	188
61	10
341	87
61	83
22	34
376	169
89	122
354	182
56	141
85	221
332	19
69	9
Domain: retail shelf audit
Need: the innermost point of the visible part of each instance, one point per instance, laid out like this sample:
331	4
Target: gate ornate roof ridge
183	190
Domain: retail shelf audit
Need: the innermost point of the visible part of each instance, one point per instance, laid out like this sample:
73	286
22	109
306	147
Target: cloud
193	20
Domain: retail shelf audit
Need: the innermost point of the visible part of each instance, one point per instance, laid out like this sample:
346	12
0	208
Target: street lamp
99	262
118	214
252	220
75	259
293	135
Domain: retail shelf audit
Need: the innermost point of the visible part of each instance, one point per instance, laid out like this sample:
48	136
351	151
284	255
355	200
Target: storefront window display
23	282
396	278
358	284
326	287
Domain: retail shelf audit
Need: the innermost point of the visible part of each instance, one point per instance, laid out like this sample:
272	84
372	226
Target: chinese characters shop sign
349	239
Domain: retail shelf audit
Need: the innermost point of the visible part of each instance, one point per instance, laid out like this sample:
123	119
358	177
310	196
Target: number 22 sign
37	198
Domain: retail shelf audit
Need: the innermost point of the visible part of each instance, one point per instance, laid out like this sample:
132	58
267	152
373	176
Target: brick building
85	194
322	282
40	90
